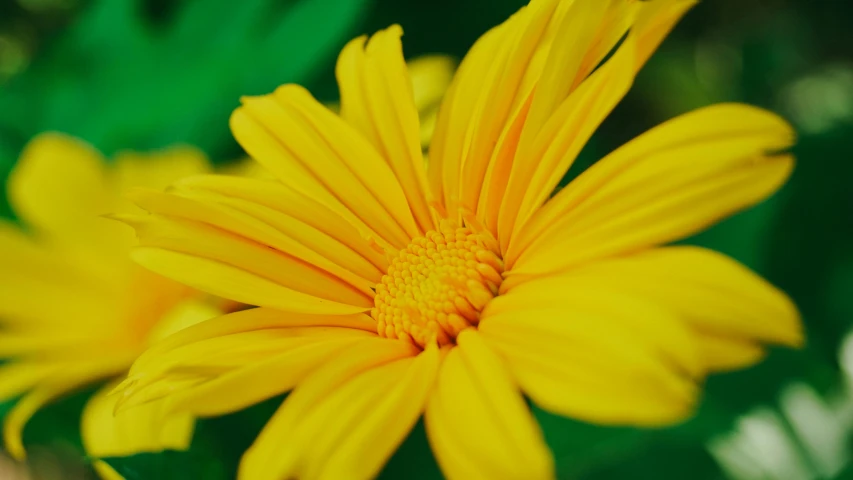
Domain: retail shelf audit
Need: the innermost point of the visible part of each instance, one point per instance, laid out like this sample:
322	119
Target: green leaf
121	81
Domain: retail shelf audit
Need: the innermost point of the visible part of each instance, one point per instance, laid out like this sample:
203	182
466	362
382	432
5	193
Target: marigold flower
390	289
74	309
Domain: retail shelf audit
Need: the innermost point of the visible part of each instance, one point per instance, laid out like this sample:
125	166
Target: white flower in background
806	437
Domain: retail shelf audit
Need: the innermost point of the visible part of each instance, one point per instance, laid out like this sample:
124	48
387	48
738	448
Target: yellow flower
74	308
388	289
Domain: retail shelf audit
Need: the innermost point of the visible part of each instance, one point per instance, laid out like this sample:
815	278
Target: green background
132	74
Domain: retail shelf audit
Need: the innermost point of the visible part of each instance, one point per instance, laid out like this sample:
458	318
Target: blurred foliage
133	74
140	75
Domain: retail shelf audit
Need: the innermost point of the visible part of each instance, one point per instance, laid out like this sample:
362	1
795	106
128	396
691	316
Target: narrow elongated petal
376	381
71	377
454	118
511	84
666	184
295	215
252	320
308	147
250	384
282	235
594	28
145	429
377	98
721	354
248	194
214	364
562	137
17	378
229	282
478	424
194	365
488	91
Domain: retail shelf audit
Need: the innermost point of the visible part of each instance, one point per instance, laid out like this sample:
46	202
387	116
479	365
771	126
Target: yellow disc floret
437	286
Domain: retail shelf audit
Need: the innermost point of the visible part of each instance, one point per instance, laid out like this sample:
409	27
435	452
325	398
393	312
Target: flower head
74	309
389	287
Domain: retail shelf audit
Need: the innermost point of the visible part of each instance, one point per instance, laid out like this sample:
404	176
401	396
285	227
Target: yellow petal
574	34
71	378
279	234
324	411
180	316
18	377
667	338
366	435
303	144
664	185
186	368
40	286
238	283
721	354
144	429
292	203
477	422
246	386
562	137
431	76
159	169
251	320
58	182
232	350
654	22
487	93
246	167
377	98
581	351
722	301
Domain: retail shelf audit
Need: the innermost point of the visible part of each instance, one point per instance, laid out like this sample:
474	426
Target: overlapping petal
64	379
347	418
731	311
377	97
514	83
595	353
287	251
233	353
313	150
146	429
477	421
668	183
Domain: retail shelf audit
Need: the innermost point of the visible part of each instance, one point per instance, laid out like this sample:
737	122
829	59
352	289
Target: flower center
437	286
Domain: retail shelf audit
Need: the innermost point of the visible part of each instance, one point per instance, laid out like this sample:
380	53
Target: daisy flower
389	287
74	309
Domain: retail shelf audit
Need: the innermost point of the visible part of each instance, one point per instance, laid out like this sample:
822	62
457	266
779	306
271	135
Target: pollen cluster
437	286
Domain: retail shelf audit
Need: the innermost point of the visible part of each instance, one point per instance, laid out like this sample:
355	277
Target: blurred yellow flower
388	290
74	308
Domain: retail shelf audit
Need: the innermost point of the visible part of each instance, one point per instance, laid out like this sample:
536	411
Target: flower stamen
437	286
